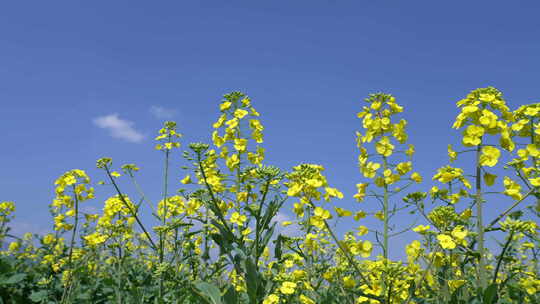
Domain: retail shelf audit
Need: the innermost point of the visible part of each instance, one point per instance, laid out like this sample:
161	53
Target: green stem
163	220
481	271
133	212
385	214
499	262
72	243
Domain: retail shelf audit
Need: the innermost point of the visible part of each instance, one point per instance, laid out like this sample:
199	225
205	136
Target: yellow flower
294	190
455	284
421	229
490	156
370	169
466	214
240	113
287	287
232	162
95	239
237	218
255	125
459	233
240	144
451	153
513	189
186	180
489	179
471	135
379	215
220	121
271	299
384	147
413	249
313	182
359	215
225	106
362	230
342	212
535	181
232	123
254	112
446	241
359	196
332	192
404	167
349	282
218	141
364	248
14	246
416	177
322	213
306	300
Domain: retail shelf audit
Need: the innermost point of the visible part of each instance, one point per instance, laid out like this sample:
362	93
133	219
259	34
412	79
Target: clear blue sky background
307	65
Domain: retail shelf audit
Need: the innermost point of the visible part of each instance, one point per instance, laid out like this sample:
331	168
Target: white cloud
119	128
291	230
161	112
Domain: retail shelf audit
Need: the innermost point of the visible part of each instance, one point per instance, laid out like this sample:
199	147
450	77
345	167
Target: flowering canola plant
216	235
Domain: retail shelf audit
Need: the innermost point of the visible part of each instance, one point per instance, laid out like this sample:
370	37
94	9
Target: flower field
215	237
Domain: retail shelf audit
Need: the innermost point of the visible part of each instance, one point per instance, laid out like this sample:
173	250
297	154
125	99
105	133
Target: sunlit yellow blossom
359	196
490	156
220	121
459	233
232	123
416	177
232	161
342	212
240	144
359	215
294	190
240	113
413	249
225	105
217	140
446	241
513	189
186	180
287	287
384	147
271	299
421	229
451	153
404	167
455	284
472	135
237	218
332	192
349	282
362	230
370	169
306	300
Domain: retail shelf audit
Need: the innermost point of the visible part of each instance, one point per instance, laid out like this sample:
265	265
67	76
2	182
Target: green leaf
490	294
252	281
14	279
209	292
267	236
231	296
38	296
277	250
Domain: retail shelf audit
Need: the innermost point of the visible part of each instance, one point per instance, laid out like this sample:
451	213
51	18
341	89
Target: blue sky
307	65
